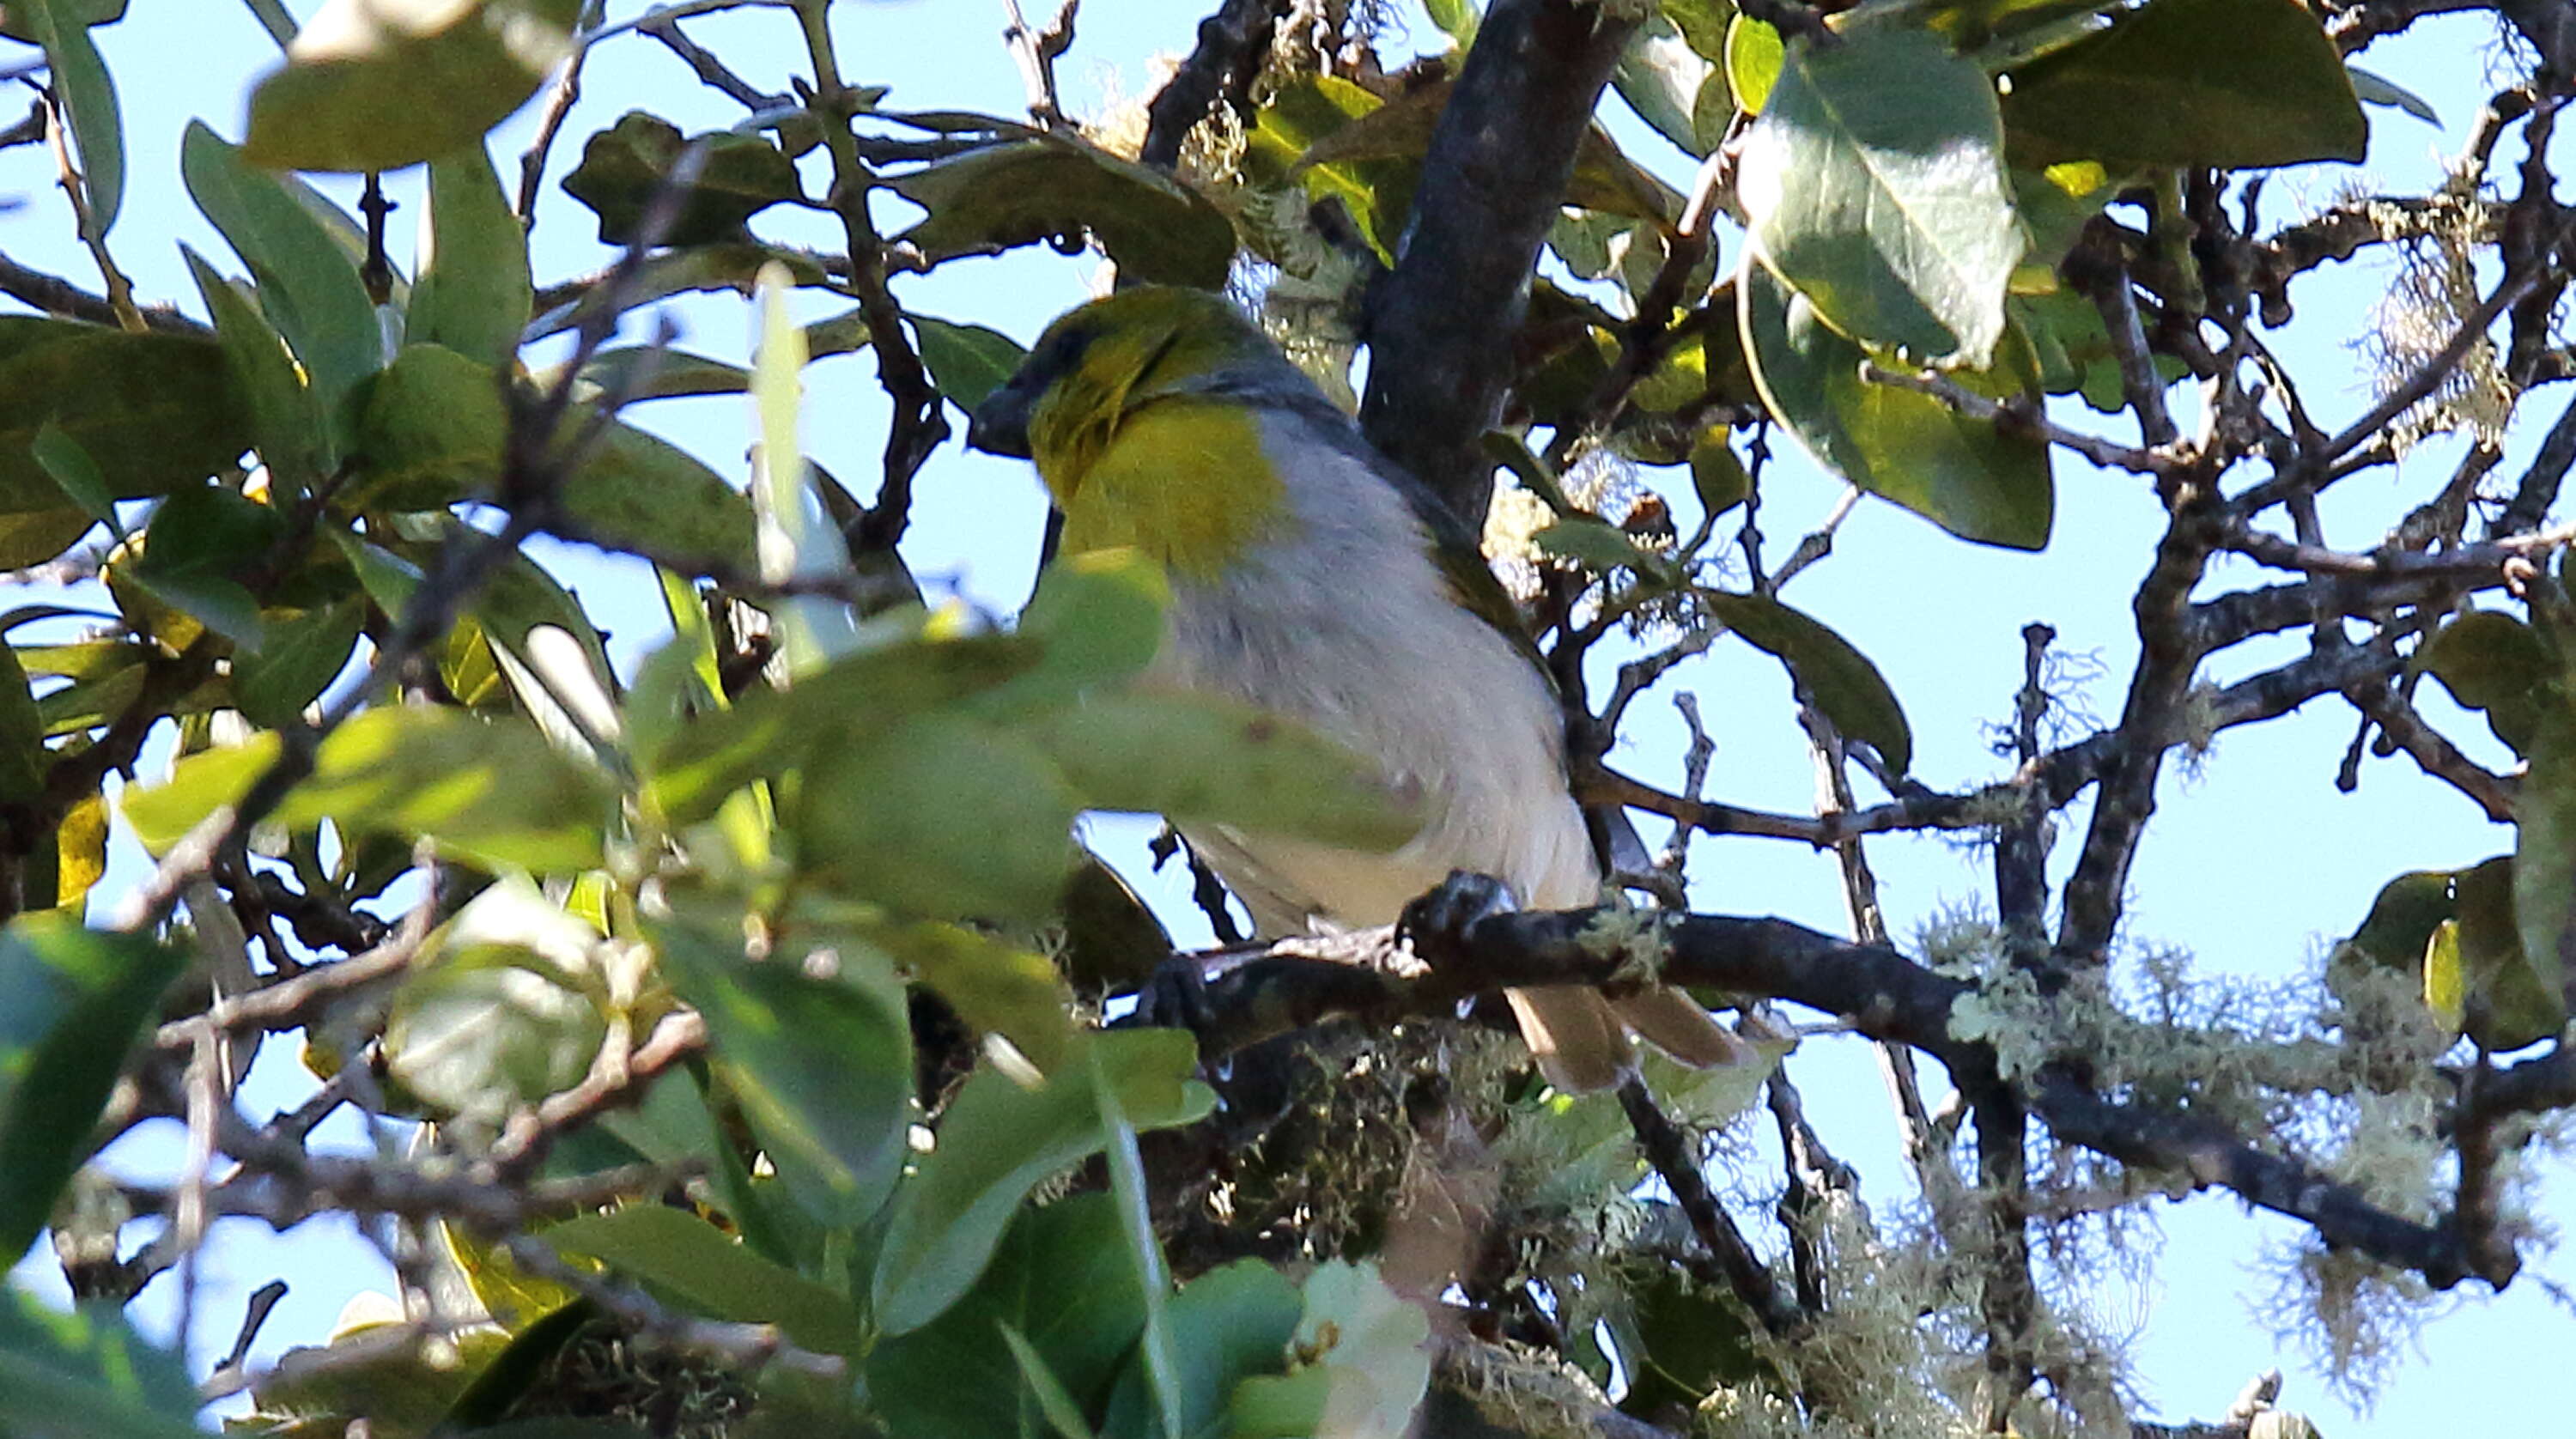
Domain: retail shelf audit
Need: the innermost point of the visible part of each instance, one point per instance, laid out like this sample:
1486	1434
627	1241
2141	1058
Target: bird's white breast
1343	620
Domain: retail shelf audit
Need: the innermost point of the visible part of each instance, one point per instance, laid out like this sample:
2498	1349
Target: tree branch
1370	978
1492	182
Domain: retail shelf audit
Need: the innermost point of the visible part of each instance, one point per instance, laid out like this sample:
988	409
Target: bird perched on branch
1314	579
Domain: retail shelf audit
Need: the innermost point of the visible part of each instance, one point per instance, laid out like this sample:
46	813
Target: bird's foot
1437	922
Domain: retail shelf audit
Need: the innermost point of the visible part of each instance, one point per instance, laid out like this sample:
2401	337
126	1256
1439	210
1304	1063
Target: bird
1314	578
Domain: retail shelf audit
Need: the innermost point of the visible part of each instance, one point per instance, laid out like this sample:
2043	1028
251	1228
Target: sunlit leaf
768	732
1204	759
380	84
1874	185
490	791
939	817
472	293
993	986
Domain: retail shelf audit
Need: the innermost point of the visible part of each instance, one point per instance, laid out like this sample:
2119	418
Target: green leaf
380	84
1753	59
1970	478
1063	1415
72	468
1840	679
1456	18
23	758
87	94
939	817
2228	84
1059	1282
301	652
635	373
1682	1342
89	1373
504	1011
1213	761
624	167
1667	81
395	1389
2372	89
996	1142
1873	184
968	361
769	732
712	1274
433	428
80	12
639	491
198	540
2404	916
1049	186
1599	545
2544	868
1098	618
308	285
1363	1362
153	412
73	1001
1717	475
285	416
492	792
822	1068
2492	662
2509	998
1229	1324
473	293
32	539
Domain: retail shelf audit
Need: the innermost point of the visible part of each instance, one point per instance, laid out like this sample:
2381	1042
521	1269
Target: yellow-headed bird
1313	578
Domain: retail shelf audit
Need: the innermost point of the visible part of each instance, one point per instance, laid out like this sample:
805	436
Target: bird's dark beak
1000	425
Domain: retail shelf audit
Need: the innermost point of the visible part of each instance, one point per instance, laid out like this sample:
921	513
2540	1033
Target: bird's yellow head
1141	411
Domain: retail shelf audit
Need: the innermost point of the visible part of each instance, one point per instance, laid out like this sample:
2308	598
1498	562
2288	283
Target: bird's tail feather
1673	1022
1579	1044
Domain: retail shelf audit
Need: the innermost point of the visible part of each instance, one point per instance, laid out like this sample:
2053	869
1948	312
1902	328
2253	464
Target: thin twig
1968	402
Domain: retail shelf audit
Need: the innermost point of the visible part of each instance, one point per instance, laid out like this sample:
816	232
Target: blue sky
2254	860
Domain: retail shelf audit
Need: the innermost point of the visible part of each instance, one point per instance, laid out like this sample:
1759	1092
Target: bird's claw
1442	917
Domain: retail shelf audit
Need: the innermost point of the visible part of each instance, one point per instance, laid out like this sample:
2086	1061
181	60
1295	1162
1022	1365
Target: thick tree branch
1370	978
1230	48
1491	185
